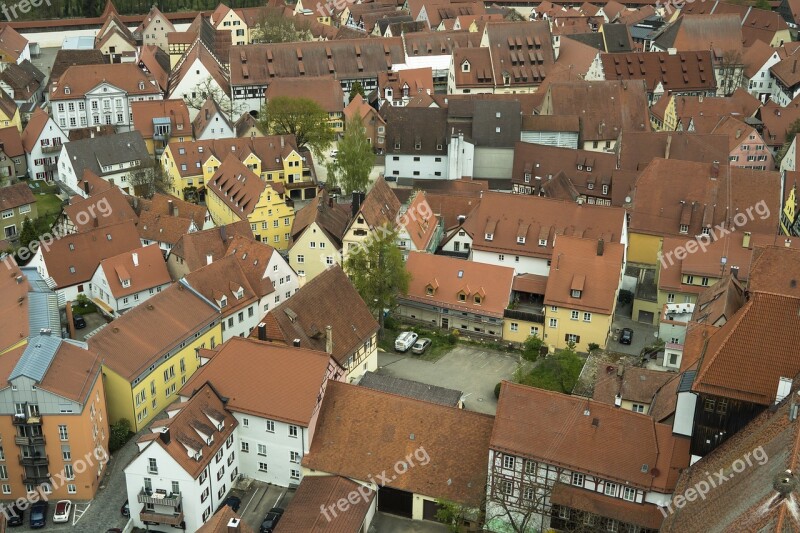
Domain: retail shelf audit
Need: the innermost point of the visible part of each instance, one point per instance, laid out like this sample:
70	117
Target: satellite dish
627	199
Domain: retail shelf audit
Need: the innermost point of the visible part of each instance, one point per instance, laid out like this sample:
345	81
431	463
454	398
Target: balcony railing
159	498
521	314
50	148
23	420
151	517
39	460
36	479
29	441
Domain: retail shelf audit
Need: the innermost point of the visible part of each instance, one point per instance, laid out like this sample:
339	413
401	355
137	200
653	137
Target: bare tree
730	72
274	27
147	181
208	88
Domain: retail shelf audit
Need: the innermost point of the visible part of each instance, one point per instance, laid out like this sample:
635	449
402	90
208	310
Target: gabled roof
324	90
253	257
69	58
331	217
319	492
107	150
168	205
11	142
116	210
578	265
271	150
683	71
266	380
143	268
194	247
11	42
411	389
635	149
200	52
722	33
359	429
168	317
156	62
23	78
182	428
485	288
415	130
162	228
33	130
146	111
218	523
574	432
151	17
636	385
237	186
221	282
15	196
380	206
72	259
306	315
422	227
717	304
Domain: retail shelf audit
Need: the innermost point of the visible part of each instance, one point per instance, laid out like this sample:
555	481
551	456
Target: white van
405	341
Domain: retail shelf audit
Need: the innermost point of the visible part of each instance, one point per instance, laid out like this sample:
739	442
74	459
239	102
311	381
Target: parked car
39	515
16	516
421	346
125	510
271	520
63	510
405	341
234	502
626	337
334	154
79	321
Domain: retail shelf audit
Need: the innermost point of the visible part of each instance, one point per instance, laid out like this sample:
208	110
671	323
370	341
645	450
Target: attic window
429	290
542	242
439	146
71	269
141	85
239	294
462	297
588	169
527	177
575	293
684	228
590	186
199	149
520	240
478	299
397	145
108	236
418	145
465	66
66	90
580	167
223	302
126	283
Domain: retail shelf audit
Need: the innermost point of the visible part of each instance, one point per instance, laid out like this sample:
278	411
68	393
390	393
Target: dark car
38	515
79	321
125	510
626	336
271	520
16	516
234	502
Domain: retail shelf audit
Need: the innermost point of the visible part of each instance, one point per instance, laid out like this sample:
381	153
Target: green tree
378	271
351	169
301	117
355	89
273	27
119	434
451	514
28	233
531	348
208	88
558	372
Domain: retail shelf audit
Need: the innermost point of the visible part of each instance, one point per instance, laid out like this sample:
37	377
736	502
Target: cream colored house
317	236
379	208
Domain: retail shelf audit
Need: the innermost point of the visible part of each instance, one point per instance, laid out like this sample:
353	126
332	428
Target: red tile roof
175	110
147	271
644	515
320	492
16	195
361	432
683	71
82	78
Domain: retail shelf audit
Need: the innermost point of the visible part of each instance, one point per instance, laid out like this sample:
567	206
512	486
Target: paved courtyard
643	335
471	369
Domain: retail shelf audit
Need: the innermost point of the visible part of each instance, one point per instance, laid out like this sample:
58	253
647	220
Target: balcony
153	518
50	166
527	313
159	498
51	148
23	420
29	441
36	460
31	479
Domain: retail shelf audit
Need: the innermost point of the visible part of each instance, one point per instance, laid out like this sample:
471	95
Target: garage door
646	317
429	509
395	501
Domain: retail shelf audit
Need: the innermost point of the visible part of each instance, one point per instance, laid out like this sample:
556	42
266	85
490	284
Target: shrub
83	300
625	297
593	346
119	434
531	348
497	390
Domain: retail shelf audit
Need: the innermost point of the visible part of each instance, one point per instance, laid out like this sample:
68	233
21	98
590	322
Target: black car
16	516
79	321
39	515
125	510
271	520
234	502
626	337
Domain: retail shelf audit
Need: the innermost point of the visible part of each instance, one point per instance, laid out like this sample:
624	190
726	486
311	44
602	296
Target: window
66	454
574	315
508	461
301	259
671	298
295	474
506	487
262	467
530	466
629	494
7	489
501	257
262	450
68	472
63	434
563	512
704	282
578	479
152	467
528	494
722	406
246	422
462	297
575	293
684	228
293	431
587	317
610	489
553	322
221	472
637	408
612	525
294	457
245	447
572	338
514	326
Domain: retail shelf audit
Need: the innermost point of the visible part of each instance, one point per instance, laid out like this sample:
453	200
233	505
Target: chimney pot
262	331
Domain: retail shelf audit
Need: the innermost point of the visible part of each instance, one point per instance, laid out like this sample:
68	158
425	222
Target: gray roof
687	378
37	357
617	38
485	121
411	389
595	40
107	150
43	310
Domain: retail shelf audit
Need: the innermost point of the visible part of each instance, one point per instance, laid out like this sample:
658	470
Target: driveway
258	498
643	335
386	523
93	321
471	369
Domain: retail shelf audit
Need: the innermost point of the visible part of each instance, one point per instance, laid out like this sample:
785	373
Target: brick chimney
601	245
233	525
170	208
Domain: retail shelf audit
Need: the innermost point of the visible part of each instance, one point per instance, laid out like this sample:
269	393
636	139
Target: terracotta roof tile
81	79
147	271
237	186
643	515
16	195
324	90
72	372
175	110
14	306
11	42
310	310
263	379
168	205
194	247
636	149
381	205
449	277
162	229
318	492
361	431
775	269
116	210
636	385
332	219
218	523
717	304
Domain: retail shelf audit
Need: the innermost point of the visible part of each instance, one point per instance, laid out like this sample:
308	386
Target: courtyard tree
301	117
355	159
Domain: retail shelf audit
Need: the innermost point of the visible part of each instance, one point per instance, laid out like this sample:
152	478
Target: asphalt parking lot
643	335
93	321
258	498
471	369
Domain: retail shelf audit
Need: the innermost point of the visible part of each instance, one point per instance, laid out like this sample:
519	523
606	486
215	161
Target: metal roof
36	358
687	378
43	312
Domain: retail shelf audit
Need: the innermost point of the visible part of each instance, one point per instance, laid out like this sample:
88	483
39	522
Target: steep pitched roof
155	61
636	149
143	268
210	109
263	379
195	247
15	196
34	128
359	429
69	58
168	205
310	310
684	71
201	52
237	186
331	217
146	111
11	42
380	205
116	210
318	492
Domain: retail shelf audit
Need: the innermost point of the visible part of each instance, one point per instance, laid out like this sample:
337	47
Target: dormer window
478	299
520	240
588	169
580	167
239	293
542	242
527	177
462	297
223	302
590	186
465	66
429	290
684	228
489	236
575	293
126	283
397	145
66	90
141	85
417	145
605	189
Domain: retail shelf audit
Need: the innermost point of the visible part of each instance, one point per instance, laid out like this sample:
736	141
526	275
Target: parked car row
38	514
409	339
